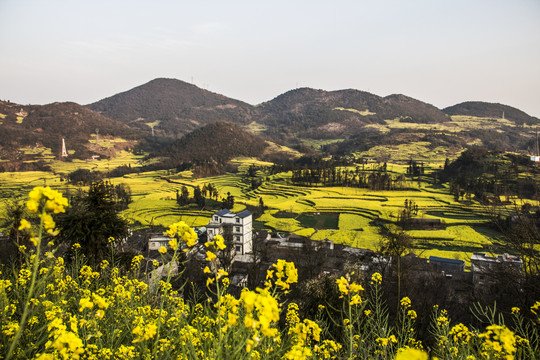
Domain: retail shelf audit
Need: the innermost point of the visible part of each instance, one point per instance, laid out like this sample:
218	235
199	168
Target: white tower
64	151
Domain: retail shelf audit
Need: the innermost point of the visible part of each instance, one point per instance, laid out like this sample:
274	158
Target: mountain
217	142
172	107
491	110
175	108
173	111
310	113
46	125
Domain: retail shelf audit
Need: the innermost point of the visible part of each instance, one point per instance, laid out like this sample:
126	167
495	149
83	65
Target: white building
240	225
484	266
157	241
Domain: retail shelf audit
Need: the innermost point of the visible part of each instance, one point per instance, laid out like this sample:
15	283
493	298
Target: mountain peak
172	106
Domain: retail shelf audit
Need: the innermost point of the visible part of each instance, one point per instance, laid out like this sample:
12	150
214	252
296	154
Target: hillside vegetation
491	110
172	106
44	126
213	145
310	113
349	122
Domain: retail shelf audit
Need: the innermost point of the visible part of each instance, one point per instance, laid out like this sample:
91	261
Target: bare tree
395	242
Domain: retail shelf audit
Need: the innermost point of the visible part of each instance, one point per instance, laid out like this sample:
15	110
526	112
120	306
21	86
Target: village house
155	242
484	266
446	264
239	225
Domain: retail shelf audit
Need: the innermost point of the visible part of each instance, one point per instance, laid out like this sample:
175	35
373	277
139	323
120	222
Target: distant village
254	251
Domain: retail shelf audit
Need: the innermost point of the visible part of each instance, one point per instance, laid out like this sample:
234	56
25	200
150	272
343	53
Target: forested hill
491	110
314	113
46	125
172	107
216	143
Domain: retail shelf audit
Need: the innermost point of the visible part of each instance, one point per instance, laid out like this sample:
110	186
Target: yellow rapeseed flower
85	303
221	273
405	302
376	278
356	300
51	200
220	242
173	243
535	307
210	256
67	343
346	287
411	354
460	334
182	231
500	340
25	224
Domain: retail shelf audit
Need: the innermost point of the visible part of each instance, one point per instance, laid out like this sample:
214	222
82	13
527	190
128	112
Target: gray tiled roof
243	214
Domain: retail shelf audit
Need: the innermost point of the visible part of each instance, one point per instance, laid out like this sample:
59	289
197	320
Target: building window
237	220
210	232
237	238
238	248
238	229
215	218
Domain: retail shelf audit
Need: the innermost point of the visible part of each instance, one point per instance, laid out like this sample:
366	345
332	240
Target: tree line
378	179
489	175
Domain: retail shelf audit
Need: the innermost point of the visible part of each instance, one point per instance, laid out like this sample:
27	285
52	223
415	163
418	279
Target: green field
341	214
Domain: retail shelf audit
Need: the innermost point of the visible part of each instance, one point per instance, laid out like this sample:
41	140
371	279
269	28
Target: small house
446	264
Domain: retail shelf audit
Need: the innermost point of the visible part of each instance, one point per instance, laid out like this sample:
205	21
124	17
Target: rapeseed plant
52	311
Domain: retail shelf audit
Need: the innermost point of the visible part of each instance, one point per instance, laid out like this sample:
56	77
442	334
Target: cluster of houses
251	246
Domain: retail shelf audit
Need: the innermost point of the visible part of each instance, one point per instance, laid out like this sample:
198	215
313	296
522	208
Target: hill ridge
494	110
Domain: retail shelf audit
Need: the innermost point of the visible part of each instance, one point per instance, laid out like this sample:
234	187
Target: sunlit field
291	209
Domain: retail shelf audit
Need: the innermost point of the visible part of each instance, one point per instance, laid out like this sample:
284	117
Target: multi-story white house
240	226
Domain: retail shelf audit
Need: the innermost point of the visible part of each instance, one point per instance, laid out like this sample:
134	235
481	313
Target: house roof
244	214
446	260
223	212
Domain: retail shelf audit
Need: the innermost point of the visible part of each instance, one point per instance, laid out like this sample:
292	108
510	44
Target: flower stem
35	266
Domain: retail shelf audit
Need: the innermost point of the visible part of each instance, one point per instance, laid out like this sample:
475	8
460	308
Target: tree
123	196
228	202
91	220
261	205
198	197
395	242
15	211
183	198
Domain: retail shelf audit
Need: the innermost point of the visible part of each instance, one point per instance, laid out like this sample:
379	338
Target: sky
441	52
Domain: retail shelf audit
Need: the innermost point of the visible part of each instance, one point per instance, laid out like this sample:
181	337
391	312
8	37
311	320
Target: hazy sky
438	51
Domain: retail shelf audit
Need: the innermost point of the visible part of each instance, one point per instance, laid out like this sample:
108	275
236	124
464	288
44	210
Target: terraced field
308	211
